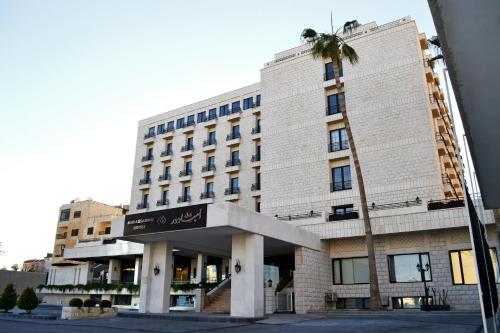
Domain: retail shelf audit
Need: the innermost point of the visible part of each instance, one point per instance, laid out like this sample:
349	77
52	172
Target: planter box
435	307
71	313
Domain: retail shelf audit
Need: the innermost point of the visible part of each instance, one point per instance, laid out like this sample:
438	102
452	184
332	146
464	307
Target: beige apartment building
268	171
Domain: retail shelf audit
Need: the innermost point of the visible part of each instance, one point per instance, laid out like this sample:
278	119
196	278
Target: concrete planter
71	313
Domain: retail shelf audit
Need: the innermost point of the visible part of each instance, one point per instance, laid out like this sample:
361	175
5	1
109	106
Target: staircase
219	302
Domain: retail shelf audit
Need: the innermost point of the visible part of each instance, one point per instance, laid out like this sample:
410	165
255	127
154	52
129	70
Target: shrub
8	298
27	300
89	303
75	302
105	303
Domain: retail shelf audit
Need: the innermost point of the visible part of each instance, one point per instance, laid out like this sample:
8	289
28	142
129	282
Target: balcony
207	197
164	179
434	106
149	137
447	161
338	146
167	133
340	186
345	216
329	79
232	193
256	133
255	108
440	145
209	145
332	109
161	203
211	121
233	139
255	161
429	74
188	128
255	188
146	160
166	155
208	170
441	125
185	175
144	183
233	165
187	150
234	115
142	205
184	199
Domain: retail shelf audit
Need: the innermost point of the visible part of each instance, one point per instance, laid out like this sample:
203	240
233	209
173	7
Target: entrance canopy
209	229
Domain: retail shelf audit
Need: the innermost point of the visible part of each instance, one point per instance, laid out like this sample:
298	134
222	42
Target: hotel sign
172	219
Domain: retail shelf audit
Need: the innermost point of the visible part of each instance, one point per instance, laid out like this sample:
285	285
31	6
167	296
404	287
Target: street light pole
422	270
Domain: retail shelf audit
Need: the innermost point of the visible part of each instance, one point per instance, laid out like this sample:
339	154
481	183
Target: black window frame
190	120
342	282
420	262
201	117
212	113
64	215
461	268
160	128
180	123
77	214
235	106
257	100
171	125
74	232
247	103
223	110
343	144
343	180
90	231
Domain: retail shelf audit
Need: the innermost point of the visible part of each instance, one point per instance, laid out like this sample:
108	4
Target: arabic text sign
179	218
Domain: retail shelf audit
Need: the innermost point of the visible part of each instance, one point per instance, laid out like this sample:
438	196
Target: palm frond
349	54
318	48
309	34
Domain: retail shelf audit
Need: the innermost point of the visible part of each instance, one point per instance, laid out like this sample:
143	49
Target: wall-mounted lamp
237	266
156	270
269	283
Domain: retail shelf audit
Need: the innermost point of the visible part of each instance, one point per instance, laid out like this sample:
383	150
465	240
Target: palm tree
333	46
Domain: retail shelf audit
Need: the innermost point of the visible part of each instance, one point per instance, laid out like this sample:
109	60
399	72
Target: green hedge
132	288
191	286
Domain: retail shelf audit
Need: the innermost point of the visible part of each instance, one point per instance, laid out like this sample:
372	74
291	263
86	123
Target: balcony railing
206	168
147	158
145	181
339	186
184	173
207	195
332	109
190	123
149	135
290	217
233	136
212	116
393	205
256	130
344	216
235	110
184	198
166	153
233	162
232	190
164	177
186	148
256	158
60	236
444	204
207	143
170	129
340	145
255	187
164	202
142	205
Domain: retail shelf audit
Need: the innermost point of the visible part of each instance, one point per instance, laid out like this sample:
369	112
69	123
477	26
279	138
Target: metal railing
170	129
343	216
337	146
166	153
255	187
255	158
162	202
444	204
184	173
290	217
183	198
207	143
61	236
339	186
393	205
142	205
232	190
206	168
212	116
233	136
164	177
256	130
332	109
147	158
186	148
207	195
233	162
145	181
149	135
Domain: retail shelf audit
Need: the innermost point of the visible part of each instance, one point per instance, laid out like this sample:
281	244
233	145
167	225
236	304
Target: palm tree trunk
374	289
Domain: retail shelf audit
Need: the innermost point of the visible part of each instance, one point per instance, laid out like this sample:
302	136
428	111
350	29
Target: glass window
107	230
151	131
189	167
74	232
90	231
64	215
235	131
170	125
166	173
187	191
211	162
333	104
223	110
149	154
77	214
210	187
330	72
212	114
342	210
353	303
211	138
248	103
341	178
189	143
234	184
235	106
338	140
463	268
180	123
169	147
164	196
411	302
351	271
257	100
403	267
145	197
235	156
201	117
190	120
161	128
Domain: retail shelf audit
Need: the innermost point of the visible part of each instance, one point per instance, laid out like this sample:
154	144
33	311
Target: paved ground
341	322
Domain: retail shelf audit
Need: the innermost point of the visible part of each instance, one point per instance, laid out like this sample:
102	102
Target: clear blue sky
76	76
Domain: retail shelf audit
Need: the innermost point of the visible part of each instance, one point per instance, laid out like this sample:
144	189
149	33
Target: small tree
15	267
8	298
27	300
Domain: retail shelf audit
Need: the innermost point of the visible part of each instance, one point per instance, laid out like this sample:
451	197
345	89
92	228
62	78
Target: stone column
201	268
247	286
114	271
155	289
90	271
199	302
270	300
137	270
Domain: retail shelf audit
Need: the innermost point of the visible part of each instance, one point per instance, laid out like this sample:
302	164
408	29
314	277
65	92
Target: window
166	172
234	185
211	138
412	302
223	110
189	143
235	157
74	232
235	106
342	210
341	178
257	152
338	140
149	154
211	162
330	72
403	267
257	180
170	125
188	167
353	303
212	114
145	198
257	100
77	214
463	268
160	128
64	215
235	131
332	104
190	120
351	271
147	175
180	123
201	117
186	192
257	206
248	103
210	189
151	131
107	230
164	197
90	231
169	147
